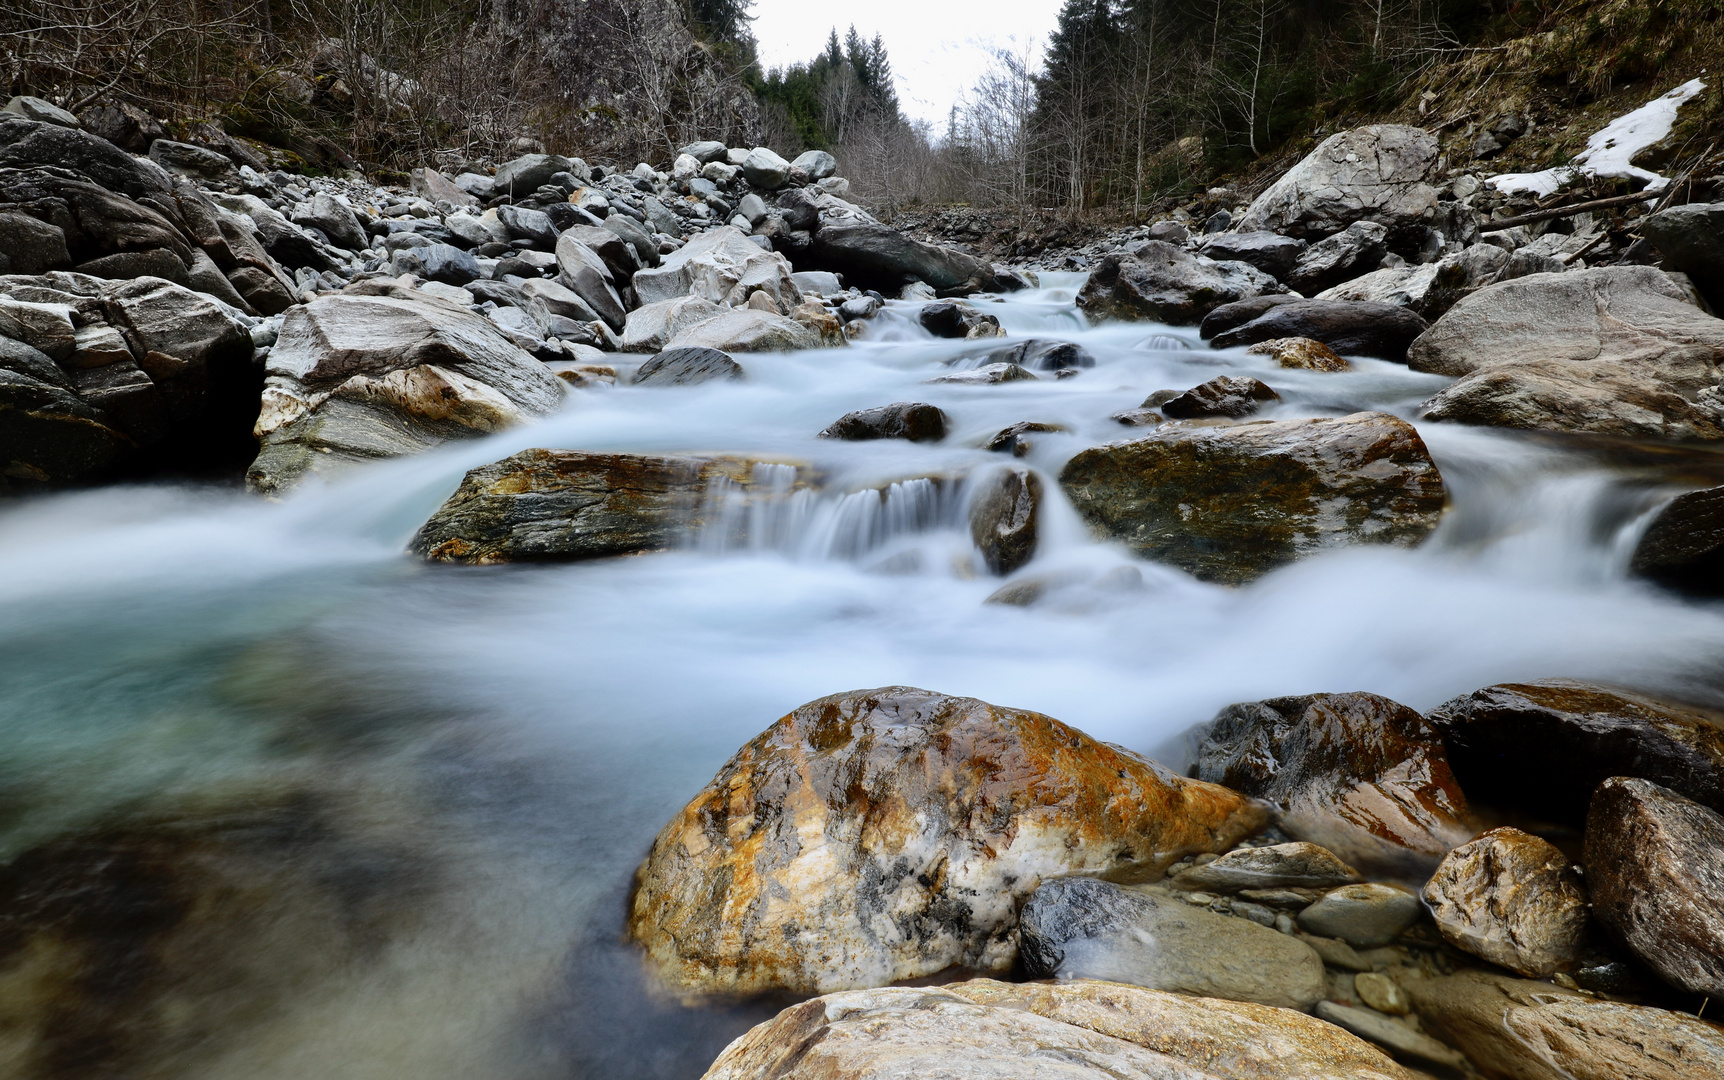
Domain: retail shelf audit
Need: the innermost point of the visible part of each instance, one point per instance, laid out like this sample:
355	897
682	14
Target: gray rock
722	266
1004	513
1229	316
752	208
858	307
956	319
1269	252
1172	232
1084	928
872	252
123	265
582	270
1363	915
46	328
1297	864
438	262
334	219
437	188
818	164
1691	239
1353	251
473	231
1374	173
747	330
526	174
619	257
1218	222
651	326
765	169
126	126
558	299
188	160
27	143
1349	327
1683	546
48	434
818	281
704	152
987	375
1162	283
1397	1038
29	245
1041	354
631	232
46	112
1512	899
523	224
660	217
915	421
687	366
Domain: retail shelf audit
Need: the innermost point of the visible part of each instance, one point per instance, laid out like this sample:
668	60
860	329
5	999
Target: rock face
567	504
1357	773
890	834
1546	746
358	377
1004	513
1163	283
1228	395
651	328
1231	503
1352	327
1082	928
1691	238
1297	865
1513	899
1683	547
1374	173
987	1030
1536	1031
1615	350
1655	864
912	420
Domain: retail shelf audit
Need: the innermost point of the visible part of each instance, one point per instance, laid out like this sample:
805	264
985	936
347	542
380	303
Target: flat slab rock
1513	899
1295	865
842	847
987	1030
1231	503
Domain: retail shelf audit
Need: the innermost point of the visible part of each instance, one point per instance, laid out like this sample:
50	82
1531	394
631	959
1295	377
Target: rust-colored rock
882	835
1513	899
1361	775
1302	353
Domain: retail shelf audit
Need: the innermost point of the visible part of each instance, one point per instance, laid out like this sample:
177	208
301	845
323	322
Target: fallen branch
1564	211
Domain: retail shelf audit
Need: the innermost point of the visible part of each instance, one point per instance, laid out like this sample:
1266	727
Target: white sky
937	47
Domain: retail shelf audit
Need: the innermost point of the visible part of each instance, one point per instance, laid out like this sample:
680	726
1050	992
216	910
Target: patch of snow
1609	154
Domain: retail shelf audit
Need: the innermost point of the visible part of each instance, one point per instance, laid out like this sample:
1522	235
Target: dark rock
619	257
1040	354
1295	865
1353	251
1512	899
291	246
50	436
1227	395
187	159
124	265
1543	747
636	236
1350	327
1683	547
526	174
685	367
954	319
1011	440
126	126
1240	312
914	421
1163	283
582	270
525	224
1655	865
127	396
564	215
1169	232
1084	928
1220	221
26	143
31	246
872	254
1269	252
1691	239
94	220
1231	503
987	375
439	262
1359	774
333	219
1003	518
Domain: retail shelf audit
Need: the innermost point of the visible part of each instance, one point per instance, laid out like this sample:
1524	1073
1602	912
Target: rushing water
277	800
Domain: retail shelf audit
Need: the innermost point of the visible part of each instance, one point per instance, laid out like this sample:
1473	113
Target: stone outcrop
883	835
1232	503
872	253
1513	899
1376	173
1163	283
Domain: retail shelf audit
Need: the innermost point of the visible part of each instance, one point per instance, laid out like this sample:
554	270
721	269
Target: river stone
189	160
818	164
912	420
987	1030
25	143
1513	899
1397	1038
1350	327
1691	239
1232	503
1375	173
1240	312
843	847
636	236
335	220
527	173
1536	1031
48	434
1382	993
747	330
1365	915
582	270
31	246
723	266
1301	353
1269	252
1655	864
1359	774
1003	518
869	253
651	326
765	169
1683	547
1226	395
1545	746
956	319
1040	354
1297	865
1348	254
987	375
1163	283
685	367
1083	928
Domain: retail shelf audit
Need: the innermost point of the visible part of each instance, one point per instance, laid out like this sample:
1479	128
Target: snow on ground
1610	152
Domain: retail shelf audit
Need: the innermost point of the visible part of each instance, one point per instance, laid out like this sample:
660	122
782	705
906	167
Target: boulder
1296	865
915	421
1240	312
29	245
34	108
524	223
334	219
1269	252
437	188
685	367
818	164
444	263
723	266
557	298
1691	239
1004	512
157	262
651	327
27	143
1353	251
1232	503
747	330
1010	440
1301	353
1350	327
47	328
1163	283
869	253
842	848
987	375
1601	397
1655	865
1366	915
582	271
704	152
529	172
1512	899
765	169
356	377
956	319
48	434
1083	928
196	350
570	505
636	236
1225	395
619	257
1544	747
1536	1031
187	159
93	220
126	126
1357	773
1082	1030
1683	546
1375	173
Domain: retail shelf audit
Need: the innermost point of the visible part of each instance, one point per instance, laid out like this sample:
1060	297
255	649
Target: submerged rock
1359	774
1513	899
1039	354
1301	353
1004	514
1163	283
987	375
1232	503
912	420
843	847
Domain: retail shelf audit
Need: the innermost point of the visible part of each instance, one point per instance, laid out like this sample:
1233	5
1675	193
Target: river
277	800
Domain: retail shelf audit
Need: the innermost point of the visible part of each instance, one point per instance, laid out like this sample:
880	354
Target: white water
524	731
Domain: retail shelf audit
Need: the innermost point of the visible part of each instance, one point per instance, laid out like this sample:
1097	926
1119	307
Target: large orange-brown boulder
882	835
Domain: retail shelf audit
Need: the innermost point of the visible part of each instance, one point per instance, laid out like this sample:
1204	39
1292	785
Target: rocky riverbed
1310	622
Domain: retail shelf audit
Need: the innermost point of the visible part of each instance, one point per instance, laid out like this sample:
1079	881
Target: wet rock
1040	354
1082	928
1512	899
1683	547
1363	915
1357	773
1535	1031
1003	518
987	1030
684	367
568	505
954	319
747	330
775	877
1398	1039
48	434
1691	239
915	421
1353	328
26	143
872	254
31	246
1269	252
987	375
1163	283
1011	440
1353	251
1545	746
1299	865
1240	312
1301	353
1374	174
1655	864
1231	503
1227	395
47	328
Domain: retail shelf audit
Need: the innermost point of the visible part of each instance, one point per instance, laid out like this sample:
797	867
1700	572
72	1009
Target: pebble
1382	993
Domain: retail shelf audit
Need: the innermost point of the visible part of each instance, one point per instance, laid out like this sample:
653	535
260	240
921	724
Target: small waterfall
769	512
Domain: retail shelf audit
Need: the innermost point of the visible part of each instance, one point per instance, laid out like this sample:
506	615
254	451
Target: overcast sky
937	47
